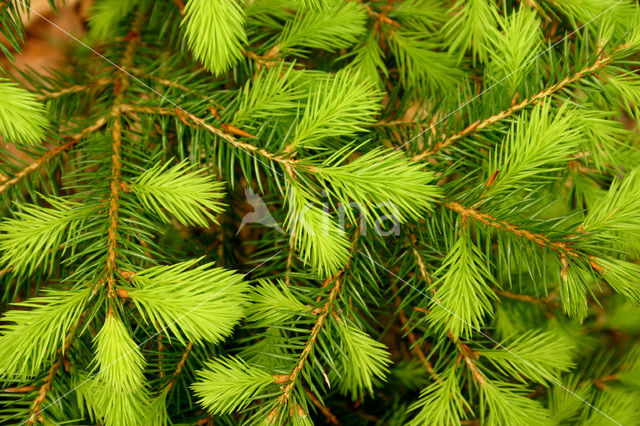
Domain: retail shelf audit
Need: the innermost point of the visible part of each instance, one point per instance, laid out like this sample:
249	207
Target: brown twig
180	5
331	418
563	249
287	274
50	154
227	128
380	16
522	297
421	265
42	393
601	62
600	382
534	5
179	367
267	60
169	83
413	340
308	347
46	387
322	313
224	133
540	239
392	123
193	121
20	389
116	160
415	347
74	89
469	357
144	109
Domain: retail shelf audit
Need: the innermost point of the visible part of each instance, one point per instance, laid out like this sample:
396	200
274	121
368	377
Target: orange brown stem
180	366
21	389
521	297
469	357
331	418
46	387
323	313
193	121
180	5
488	220
74	89
308	347
50	154
601	62
563	249
42	393
415	347
116	158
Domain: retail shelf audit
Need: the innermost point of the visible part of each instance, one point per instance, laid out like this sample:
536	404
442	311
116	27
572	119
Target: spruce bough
451	190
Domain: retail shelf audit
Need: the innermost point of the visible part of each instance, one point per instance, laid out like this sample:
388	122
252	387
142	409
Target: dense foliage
324	211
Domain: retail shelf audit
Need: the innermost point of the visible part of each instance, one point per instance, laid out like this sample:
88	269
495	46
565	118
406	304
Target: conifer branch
42	392
145	109
299	86
331	418
215	32
413	340
470	358
523	297
179	367
74	89
322	313
308	347
163	81
381	17
46	386
287	274
23	119
43	159
248	148
601	62
116	160
540	239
